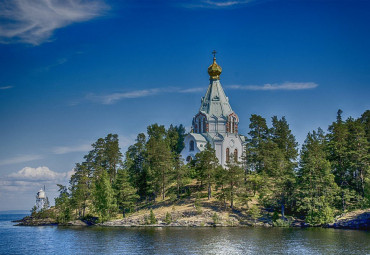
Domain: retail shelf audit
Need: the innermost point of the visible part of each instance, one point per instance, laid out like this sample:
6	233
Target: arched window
188	159
191	145
227	154
236	155
204	125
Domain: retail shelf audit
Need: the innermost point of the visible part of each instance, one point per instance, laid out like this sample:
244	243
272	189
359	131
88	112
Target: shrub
215	218
152	219
281	223
168	219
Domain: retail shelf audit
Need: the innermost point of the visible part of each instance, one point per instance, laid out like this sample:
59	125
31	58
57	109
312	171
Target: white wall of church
231	141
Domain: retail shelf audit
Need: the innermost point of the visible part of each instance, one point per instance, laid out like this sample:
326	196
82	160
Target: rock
77	223
359	219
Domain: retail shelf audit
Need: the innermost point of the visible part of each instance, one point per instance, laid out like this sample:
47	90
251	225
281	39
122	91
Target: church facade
215	123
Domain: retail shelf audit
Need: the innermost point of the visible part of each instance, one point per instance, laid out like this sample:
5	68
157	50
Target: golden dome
214	70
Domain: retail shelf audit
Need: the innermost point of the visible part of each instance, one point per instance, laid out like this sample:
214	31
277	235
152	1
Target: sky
74	71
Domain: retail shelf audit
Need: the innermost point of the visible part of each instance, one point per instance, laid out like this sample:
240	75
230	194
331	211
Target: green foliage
317	189
215	218
282	223
232	178
275	216
62	204
332	175
206	164
160	160
254	212
348	152
152	219
198	205
33	210
125	194
103	196
168	219
80	188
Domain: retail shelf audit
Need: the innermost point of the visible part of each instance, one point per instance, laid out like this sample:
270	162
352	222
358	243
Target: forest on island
329	175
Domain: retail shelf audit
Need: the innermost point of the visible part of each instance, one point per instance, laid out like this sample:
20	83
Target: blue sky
73	71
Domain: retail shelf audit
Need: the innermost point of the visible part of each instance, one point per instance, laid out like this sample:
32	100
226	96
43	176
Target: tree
159	160
180	173
103	195
255	147
113	155
285	161
62	204
206	163
105	154
358	157
126	196
80	188
316	186
233	177
136	164
338	157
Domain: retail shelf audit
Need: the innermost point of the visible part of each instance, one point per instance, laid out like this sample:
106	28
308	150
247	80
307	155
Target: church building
215	123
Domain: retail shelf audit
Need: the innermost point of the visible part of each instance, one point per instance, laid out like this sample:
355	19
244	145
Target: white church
215	123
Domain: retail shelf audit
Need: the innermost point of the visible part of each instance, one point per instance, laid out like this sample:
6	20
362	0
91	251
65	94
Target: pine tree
159	159
316	186
338	157
62	204
233	178
180	173
206	163
358	158
284	158
125	194
136	164
255	147
79	185
103	195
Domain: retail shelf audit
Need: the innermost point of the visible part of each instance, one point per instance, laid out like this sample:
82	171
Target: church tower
215	123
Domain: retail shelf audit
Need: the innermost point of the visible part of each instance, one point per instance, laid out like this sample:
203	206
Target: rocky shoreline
354	220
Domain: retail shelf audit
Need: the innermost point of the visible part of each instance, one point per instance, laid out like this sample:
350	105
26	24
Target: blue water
105	240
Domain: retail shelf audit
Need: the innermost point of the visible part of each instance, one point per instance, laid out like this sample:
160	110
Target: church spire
214	70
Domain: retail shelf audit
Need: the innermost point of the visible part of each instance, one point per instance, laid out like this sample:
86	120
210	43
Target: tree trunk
209	191
231	196
163	194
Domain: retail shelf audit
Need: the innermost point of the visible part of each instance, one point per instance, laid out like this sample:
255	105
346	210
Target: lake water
105	240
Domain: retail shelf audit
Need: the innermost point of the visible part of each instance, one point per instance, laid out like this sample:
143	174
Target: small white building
42	201
215	123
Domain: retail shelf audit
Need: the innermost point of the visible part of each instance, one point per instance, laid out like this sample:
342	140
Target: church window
191	145
204	126
227	155
236	155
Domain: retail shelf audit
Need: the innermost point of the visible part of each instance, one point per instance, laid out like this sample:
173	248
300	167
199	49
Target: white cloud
214	3
226	3
37	174
115	97
6	87
20	159
69	149
18	189
276	86
193	90
34	21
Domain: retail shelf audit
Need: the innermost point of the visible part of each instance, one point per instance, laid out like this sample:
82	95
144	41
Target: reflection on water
104	240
